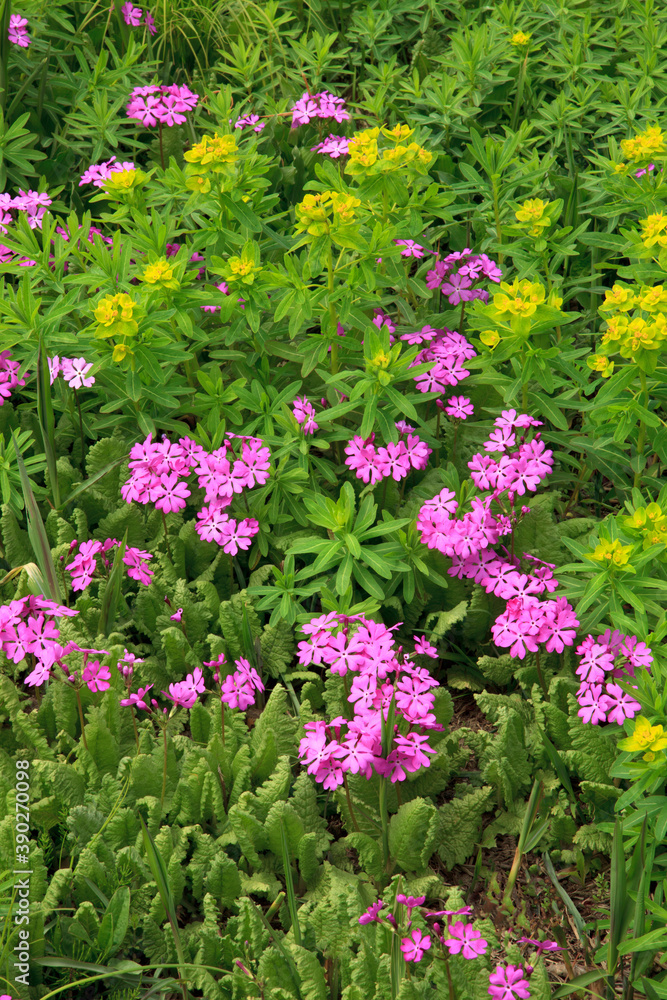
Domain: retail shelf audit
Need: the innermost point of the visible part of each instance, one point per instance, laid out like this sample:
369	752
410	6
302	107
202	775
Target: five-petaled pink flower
414	946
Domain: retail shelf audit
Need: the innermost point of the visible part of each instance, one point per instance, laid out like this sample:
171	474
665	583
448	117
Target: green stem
452	992
496	213
349	804
166	536
164	769
641	439
136	733
222	720
384	816
540	676
456	431
332	311
518	97
83	445
83	726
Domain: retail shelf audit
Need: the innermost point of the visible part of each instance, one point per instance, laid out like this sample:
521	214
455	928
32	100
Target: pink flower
96	676
508	983
424	648
138	699
74	372
172	495
410	248
131	15
370	916
334	146
414	946
150	23
176	617
465	939
18	34
459	407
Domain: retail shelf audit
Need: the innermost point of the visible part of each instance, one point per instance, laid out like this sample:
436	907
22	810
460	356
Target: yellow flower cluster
242	270
614	553
654	230
520	38
123	182
521	298
215	154
317	213
644	145
628	331
533	214
160	273
365	156
645	737
650	524
115	318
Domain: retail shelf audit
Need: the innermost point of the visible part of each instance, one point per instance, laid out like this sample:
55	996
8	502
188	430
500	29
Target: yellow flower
521	298
653	230
532	211
312	213
344	205
363	147
381	360
397	133
611	552
114	313
196	182
645	737
120	352
619	168
214	152
160	273
242	269
653	299
490	338
598	363
644	145
122	182
520	38
619	298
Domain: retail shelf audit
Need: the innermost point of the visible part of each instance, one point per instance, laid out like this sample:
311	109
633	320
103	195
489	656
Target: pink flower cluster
74	371
333	146
449	350
458	937
611	657
18	30
84	564
97	173
304	414
372	464
8	375
323	105
527	622
165	105
133	16
457	273
238	689
26	630
366	650
33	203
157	468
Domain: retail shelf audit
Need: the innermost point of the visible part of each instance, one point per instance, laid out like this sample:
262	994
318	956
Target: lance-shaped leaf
112	592
37	533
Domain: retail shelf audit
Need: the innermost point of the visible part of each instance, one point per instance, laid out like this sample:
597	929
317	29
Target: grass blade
37	533
289	885
112	592
159	871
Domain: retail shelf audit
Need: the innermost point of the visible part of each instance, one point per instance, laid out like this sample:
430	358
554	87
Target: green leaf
115	922
37	532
